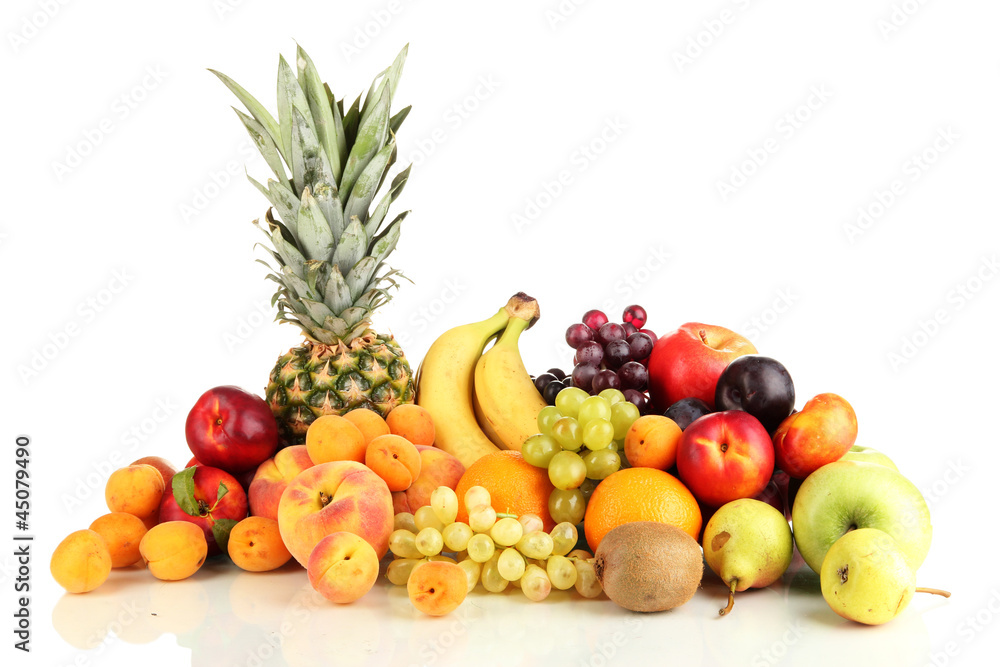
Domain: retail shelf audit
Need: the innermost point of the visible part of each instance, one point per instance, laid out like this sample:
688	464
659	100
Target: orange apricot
81	562
255	545
122	532
369	422
174	550
437	587
135	489
334	438
395	460
412	422
651	442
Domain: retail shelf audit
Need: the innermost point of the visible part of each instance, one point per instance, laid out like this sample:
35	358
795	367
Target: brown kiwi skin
649	566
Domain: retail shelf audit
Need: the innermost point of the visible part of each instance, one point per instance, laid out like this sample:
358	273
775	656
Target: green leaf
182	486
282	199
265	145
351	119
351	248
320	108
221	529
329	204
223	490
371	227
398	119
336	326
317	275
385	242
354	315
367	184
313	231
371	138
309	162
360	276
257	110
317	311
290	97
388	78
337	294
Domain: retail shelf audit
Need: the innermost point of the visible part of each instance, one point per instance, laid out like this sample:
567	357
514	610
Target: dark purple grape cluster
551	382
611	355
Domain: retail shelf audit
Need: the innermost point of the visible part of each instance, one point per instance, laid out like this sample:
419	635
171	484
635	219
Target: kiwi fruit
648	566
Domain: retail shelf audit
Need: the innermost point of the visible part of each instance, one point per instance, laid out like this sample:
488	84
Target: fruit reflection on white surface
226	617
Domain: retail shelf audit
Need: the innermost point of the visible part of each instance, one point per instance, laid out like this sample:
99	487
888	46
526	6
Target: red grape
633	375
649	332
610	331
638	399
616	353
629	329
583	375
559	373
542	380
635	315
595	319
606	379
578	334
641	346
590	353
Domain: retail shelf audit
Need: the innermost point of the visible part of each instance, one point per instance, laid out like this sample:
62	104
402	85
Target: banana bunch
481	402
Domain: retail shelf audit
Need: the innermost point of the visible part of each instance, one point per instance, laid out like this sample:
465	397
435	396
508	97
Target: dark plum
641	346
610	332
578	334
583	375
633	376
686	410
616	353
758	385
605	379
595	319
635	315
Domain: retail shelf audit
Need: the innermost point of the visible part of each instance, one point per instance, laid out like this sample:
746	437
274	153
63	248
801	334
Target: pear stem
934	591
732	598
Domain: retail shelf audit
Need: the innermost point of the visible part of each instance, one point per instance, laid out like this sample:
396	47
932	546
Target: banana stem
732	598
934	591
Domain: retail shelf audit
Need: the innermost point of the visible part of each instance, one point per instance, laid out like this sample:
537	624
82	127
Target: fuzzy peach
437	468
174	550
412	422
255	545
331	497
395	460
81	562
343	567
333	438
122	532
437	587
135	489
167	470
271	478
369	422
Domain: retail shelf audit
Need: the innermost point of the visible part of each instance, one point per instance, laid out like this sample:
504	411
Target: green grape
602	463
536	544
444	502
564	537
568	505
593	408
561	571
405	521
582	554
598	434
587	583
399	570
456	536
569	400
481	547
472	571
492	580
612	396
622	416
539	449
476	496
530	522
482	518
568	434
506	532
442	558
535	583
548	416
510	564
403	544
429	542
425	517
588	487
567	470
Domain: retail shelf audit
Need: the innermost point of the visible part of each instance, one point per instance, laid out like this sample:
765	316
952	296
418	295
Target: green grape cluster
495	550
580	443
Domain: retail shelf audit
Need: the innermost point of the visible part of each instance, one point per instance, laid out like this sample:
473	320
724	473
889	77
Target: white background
643	110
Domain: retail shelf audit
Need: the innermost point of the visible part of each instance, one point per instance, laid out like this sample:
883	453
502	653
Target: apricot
174	550
412	422
167	470
334	438
651	442
255	545
343	567
81	562
437	587
135	489
369	422
122	532
395	460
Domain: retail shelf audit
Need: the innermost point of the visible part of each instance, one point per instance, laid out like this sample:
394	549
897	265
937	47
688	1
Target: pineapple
328	244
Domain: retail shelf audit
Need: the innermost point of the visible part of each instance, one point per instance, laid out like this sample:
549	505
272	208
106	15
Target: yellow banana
505	399
444	384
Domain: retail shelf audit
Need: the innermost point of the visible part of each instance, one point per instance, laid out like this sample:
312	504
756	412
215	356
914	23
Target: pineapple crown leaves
328	243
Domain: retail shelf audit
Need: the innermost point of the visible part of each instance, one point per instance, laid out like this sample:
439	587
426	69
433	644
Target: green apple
846	495
866	577
748	544
868	455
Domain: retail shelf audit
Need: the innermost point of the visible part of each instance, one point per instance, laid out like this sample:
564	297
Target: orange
651	442
515	486
640	494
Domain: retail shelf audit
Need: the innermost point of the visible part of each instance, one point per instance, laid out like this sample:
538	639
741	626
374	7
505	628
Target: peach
167	470
412	422
135	489
395	460
651	442
333	497
437	468
343	567
122	532
174	550
81	562
271	478
369	422
255	545
333	438
437	587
